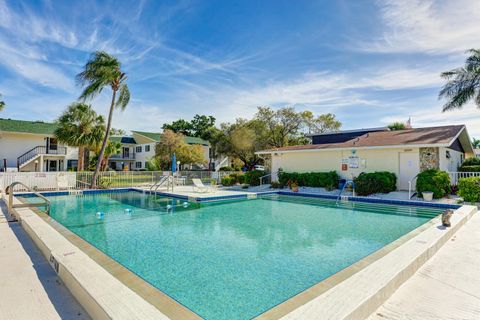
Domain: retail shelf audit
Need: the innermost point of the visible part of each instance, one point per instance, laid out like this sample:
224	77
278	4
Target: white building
139	148
31	146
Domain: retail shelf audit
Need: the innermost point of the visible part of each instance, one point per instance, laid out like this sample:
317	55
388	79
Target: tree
2	103
463	84
104	70
476	143
179	126
80	126
322	123
397	126
202	126
117	132
174	143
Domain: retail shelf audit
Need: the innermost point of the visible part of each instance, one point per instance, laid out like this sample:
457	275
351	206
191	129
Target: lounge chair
198	186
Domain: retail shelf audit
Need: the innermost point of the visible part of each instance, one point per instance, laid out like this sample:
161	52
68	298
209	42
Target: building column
41	163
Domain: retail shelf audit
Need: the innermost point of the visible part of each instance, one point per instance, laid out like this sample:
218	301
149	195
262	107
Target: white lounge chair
198	186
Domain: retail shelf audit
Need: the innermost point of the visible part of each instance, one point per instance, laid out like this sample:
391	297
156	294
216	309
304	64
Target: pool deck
187	191
446	287
29	288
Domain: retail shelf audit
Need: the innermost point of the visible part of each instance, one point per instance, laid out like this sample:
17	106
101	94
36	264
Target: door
409	168
126	152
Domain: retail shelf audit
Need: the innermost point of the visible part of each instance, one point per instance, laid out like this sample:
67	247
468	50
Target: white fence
110	179
455	176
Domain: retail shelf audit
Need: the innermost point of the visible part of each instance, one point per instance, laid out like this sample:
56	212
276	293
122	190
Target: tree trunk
105	141
81	158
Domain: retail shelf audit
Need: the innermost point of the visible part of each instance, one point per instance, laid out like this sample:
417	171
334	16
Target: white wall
450	164
322	161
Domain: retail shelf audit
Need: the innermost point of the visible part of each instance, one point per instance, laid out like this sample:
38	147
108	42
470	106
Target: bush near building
470	165
375	182
469	189
327	180
435	181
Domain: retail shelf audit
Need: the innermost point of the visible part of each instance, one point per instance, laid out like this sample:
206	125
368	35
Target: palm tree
81	127
2	104
103	70
463	83
111	149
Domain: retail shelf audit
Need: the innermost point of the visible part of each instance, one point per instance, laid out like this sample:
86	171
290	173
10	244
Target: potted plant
427	195
294	186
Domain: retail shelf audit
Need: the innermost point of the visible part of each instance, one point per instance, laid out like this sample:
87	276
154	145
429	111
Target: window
147	148
138	165
72	165
138	149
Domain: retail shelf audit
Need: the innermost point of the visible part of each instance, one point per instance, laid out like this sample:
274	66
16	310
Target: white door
409	168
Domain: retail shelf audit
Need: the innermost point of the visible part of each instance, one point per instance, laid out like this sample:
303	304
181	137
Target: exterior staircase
36	152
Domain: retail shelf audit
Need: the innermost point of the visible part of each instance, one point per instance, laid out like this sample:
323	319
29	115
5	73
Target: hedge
375	182
471	162
472	168
434	180
328	180
469	189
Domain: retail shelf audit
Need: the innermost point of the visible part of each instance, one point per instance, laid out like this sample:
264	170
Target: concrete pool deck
309	311
446	287
29	288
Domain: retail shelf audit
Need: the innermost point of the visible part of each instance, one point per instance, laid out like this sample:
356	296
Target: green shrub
227	181
275	185
469	189
328	180
226	168
470	168
375	182
234	177
434	180
253	177
241	178
471	162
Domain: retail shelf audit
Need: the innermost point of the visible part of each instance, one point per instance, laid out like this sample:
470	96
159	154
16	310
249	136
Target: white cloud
427	26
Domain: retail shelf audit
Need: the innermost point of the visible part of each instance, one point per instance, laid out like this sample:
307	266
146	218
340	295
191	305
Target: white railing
455	176
45	181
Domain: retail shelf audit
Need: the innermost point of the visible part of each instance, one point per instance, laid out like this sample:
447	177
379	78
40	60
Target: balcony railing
38	150
130	156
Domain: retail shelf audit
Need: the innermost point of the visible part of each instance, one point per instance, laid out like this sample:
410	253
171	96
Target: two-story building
31	146
139	148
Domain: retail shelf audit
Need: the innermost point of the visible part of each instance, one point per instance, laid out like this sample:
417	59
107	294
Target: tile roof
419	136
38	127
189	140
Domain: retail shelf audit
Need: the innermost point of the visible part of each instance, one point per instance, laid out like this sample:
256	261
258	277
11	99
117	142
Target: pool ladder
11	206
165	179
343	198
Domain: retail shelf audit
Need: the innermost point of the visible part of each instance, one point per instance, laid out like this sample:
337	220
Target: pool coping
129	297
287	308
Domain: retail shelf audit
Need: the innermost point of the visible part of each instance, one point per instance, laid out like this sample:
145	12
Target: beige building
403	152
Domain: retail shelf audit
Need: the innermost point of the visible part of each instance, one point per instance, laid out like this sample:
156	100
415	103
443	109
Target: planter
427	195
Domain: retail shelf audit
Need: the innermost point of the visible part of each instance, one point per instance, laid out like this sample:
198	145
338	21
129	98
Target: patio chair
198	186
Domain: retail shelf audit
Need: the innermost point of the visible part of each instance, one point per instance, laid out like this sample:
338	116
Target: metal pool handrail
11	206
343	188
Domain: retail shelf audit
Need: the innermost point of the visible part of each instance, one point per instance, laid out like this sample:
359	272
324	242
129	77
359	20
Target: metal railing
130	156
38	150
410	184
266	179
10	189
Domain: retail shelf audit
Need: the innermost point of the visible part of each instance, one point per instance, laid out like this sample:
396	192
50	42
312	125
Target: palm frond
123	97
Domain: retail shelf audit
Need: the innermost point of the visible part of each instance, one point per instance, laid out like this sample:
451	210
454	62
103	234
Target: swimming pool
234	259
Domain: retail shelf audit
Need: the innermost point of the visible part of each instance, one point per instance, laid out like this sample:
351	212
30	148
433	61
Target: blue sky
369	62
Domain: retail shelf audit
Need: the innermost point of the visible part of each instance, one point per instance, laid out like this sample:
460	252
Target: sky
368	62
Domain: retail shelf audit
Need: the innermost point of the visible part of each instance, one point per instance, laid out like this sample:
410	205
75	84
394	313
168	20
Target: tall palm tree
80	126
2	104
104	70
463	83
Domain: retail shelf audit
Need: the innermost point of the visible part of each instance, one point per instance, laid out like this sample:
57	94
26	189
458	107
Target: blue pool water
234	259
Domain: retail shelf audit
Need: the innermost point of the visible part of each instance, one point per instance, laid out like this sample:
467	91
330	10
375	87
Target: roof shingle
418	136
